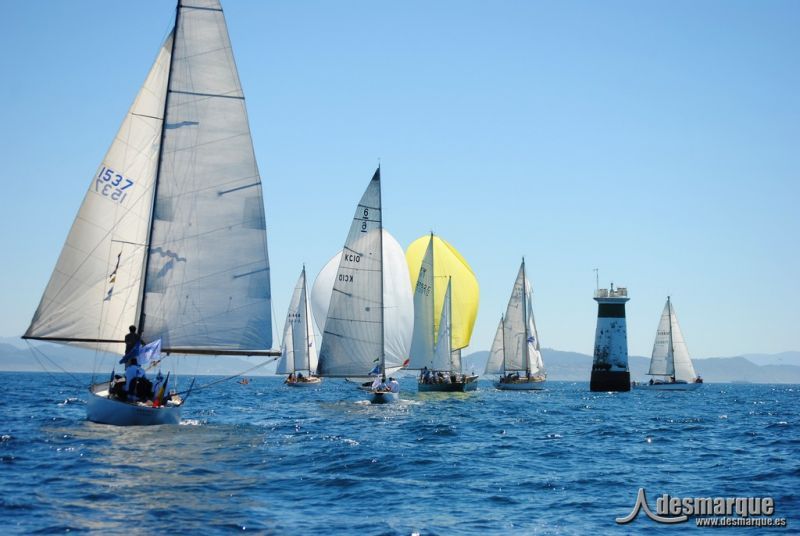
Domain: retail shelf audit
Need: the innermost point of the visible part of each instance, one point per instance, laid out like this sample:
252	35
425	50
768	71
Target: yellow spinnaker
447	262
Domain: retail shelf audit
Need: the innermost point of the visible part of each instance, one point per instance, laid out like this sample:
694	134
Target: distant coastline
781	368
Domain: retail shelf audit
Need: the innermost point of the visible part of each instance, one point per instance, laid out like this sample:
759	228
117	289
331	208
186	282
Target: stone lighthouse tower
610	367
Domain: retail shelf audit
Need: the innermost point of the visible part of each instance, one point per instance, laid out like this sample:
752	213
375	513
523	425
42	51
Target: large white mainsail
661	361
207	275
423	339
298	351
171	235
353	338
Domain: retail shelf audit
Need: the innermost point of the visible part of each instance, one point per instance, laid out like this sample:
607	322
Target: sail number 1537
112	184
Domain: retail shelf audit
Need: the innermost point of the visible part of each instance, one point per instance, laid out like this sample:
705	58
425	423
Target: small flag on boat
112	278
531	339
149	352
406	362
376	371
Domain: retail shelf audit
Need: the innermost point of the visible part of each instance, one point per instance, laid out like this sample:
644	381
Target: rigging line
228	378
34	351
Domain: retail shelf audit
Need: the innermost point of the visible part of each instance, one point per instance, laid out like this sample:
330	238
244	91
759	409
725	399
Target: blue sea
266	458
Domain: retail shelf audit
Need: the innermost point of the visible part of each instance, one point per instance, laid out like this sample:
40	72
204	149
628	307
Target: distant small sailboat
171	235
432	351
353	341
515	348
298	351
670	364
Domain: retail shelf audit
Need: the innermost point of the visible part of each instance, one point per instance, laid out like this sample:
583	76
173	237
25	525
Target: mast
449	306
143	291
503	323
433	296
671	350
525	320
307	320
380	243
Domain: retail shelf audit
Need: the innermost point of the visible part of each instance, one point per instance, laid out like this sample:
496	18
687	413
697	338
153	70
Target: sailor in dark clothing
132	339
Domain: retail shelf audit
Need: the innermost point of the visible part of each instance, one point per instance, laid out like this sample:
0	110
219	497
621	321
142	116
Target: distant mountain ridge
574	366
560	365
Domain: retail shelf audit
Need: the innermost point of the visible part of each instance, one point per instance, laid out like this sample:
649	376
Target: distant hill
573	366
54	358
565	366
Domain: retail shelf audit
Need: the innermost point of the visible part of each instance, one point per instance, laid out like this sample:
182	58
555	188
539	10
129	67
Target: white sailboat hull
104	410
531	385
677	386
308	382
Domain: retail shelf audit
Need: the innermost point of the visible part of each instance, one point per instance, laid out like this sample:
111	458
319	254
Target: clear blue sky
656	141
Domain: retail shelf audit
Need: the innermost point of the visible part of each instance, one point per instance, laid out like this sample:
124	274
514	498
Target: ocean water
266	458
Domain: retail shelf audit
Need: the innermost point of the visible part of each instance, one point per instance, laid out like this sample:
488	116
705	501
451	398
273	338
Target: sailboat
298	351
171	235
432	351
398	305
354	341
670	364
515	348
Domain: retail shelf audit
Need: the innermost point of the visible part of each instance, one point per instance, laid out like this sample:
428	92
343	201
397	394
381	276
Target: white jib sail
443	358
534	352
207	279
661	361
422	341
94	291
684	370
352	342
397	300
494	365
